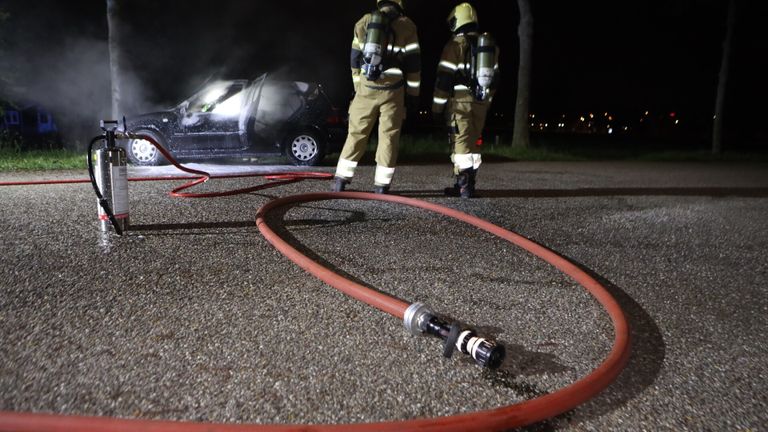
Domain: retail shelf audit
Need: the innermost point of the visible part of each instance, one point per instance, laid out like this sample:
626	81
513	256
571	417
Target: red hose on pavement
503	418
498	419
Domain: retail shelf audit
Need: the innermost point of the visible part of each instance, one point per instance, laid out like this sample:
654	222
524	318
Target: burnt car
242	119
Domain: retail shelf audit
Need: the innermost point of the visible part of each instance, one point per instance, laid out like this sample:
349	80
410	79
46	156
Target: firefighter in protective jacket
467	77
386	75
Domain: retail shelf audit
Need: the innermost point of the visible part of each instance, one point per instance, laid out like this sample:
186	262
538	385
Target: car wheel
304	148
141	152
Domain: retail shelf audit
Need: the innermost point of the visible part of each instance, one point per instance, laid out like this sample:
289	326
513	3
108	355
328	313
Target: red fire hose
497	419
502	418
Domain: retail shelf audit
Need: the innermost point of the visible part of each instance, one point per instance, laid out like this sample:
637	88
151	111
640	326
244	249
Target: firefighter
386	75
467	77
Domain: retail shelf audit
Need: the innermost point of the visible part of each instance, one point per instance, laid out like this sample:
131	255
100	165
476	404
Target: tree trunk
113	27
717	126
521	136
6	64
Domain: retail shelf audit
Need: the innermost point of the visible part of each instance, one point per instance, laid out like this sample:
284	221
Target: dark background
590	56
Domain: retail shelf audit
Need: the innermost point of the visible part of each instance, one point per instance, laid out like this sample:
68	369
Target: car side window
218	99
229	106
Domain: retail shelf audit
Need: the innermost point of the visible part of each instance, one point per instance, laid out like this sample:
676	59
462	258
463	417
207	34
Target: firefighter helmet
398	3
461	15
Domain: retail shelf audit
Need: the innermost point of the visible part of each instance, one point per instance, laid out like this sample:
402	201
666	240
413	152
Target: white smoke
73	83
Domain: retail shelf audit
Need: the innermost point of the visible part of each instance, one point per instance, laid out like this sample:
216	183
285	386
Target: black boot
453	191
469	191
464	186
339	184
381	189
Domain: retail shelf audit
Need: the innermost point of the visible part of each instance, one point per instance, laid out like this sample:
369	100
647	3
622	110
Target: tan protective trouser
369	105
466	122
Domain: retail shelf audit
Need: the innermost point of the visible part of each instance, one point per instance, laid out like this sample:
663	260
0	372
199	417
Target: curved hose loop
510	416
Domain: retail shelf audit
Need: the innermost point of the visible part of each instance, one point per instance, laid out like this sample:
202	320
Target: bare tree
6	64
521	136
717	126
113	27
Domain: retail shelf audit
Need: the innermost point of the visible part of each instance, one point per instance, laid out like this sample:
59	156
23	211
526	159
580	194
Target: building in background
33	123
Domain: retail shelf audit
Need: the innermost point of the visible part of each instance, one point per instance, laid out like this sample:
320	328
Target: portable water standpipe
109	177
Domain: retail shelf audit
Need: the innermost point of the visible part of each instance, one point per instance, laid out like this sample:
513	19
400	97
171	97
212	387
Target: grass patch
432	149
532	154
14	160
568	149
425	149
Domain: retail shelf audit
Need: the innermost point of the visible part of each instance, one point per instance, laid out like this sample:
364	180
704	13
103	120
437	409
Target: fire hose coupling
416	317
419	319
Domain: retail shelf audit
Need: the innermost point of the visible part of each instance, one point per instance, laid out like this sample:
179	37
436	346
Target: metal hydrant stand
416	318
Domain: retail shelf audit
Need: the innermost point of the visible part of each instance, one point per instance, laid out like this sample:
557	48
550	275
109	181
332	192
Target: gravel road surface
193	316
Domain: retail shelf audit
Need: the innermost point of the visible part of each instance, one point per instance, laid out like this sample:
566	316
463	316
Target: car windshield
224	98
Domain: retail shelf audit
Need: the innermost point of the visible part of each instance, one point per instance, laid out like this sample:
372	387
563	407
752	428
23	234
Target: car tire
304	148
141	152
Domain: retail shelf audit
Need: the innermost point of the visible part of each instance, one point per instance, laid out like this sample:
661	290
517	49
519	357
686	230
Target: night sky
618	56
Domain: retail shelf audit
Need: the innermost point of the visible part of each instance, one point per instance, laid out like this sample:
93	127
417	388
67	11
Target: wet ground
194	316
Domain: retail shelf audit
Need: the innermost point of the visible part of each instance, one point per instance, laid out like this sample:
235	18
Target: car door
273	104
257	130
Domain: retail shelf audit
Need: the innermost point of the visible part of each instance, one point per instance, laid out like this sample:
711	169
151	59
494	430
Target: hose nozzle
485	352
419	319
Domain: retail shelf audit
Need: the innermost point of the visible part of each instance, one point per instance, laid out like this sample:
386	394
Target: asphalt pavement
193	316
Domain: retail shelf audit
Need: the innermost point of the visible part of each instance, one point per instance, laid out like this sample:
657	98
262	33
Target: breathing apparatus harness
378	33
479	70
